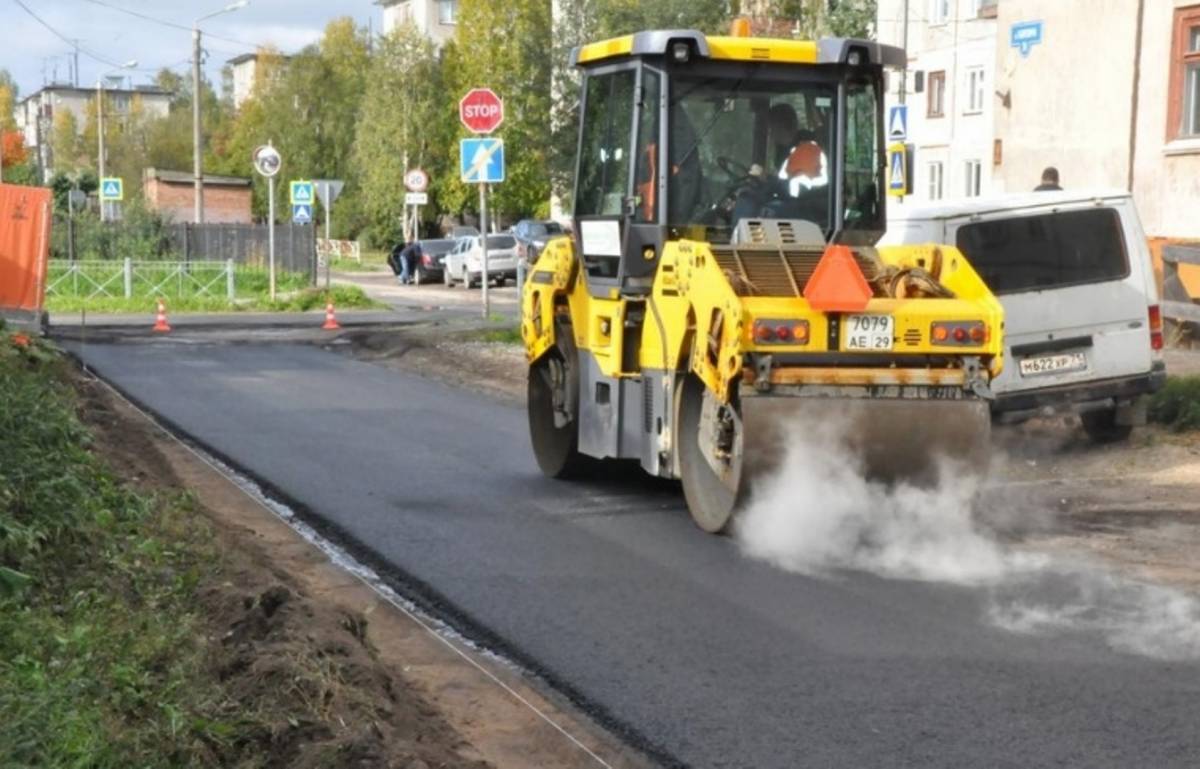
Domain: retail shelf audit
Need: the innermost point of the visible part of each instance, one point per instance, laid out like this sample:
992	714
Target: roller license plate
1053	364
874	333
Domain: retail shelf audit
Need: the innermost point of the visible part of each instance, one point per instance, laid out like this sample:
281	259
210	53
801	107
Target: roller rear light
790	332
959	333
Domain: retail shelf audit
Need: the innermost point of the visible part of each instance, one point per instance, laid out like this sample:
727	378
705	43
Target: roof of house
185	177
138	90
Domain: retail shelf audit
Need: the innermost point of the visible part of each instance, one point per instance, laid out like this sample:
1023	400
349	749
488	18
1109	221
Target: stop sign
481	110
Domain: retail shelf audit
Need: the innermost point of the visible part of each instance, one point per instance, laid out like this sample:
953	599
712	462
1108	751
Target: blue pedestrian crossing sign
112	188
303	194
482	161
898	170
898	123
302	213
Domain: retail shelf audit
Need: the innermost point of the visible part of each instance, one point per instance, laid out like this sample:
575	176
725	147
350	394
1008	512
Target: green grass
1177	406
252	292
500	335
102	659
372	261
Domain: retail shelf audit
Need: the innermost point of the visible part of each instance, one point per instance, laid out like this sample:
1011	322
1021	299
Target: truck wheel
553	405
1101	426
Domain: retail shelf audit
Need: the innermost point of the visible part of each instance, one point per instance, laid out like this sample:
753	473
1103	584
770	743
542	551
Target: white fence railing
127	278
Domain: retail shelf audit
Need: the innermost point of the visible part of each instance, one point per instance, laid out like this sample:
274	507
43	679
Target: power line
166	23
64	38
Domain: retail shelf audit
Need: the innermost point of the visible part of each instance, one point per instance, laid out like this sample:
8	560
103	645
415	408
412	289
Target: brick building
227	199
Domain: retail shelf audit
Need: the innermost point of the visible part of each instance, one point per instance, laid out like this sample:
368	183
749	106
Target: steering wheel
734	168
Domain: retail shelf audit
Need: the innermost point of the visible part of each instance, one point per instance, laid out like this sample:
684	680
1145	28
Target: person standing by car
408	262
393	259
1049	181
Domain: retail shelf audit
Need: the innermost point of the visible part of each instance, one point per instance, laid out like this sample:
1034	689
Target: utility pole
904	45
197	139
100	126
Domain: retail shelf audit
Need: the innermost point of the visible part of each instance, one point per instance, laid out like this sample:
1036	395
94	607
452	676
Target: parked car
532	236
464	264
431	259
1083	329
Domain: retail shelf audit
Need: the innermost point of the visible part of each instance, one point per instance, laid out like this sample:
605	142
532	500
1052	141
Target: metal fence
86	239
125	278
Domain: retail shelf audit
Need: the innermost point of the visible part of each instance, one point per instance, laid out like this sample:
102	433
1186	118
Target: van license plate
1053	364
869	332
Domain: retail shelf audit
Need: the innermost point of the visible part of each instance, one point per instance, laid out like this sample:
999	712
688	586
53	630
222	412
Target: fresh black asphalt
705	657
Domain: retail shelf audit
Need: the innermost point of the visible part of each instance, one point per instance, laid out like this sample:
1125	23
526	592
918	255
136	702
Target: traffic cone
331	323
160	322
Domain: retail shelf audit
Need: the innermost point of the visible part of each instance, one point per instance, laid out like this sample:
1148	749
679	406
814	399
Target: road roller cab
722	281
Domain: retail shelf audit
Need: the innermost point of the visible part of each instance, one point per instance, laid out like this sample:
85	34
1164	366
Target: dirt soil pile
299	669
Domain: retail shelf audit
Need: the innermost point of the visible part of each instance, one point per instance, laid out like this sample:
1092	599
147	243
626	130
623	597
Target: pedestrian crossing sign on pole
302	213
302	194
482	161
112	188
898	123
898	181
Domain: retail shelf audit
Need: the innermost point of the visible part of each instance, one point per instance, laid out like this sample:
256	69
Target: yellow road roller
721	288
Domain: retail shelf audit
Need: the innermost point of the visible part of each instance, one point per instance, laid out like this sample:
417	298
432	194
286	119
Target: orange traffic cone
160	322
331	323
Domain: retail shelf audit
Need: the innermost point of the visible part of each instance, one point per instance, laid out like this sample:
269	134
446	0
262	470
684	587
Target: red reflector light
960	334
764	333
978	334
784	333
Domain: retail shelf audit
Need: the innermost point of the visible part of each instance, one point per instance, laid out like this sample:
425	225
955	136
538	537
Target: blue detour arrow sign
482	161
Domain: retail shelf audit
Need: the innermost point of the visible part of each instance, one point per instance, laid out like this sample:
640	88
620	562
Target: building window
934	173
1184	107
974	178
447	11
975	90
935	100
939	11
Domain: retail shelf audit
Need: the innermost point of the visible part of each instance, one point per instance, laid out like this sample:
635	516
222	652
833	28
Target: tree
516	66
66	149
8	100
405	123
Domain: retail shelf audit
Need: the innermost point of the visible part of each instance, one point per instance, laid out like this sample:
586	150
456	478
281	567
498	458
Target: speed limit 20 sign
416	180
481	111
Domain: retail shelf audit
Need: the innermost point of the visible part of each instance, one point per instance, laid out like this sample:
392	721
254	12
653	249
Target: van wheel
1101	426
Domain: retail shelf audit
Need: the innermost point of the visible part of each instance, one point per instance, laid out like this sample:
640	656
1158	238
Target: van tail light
1156	327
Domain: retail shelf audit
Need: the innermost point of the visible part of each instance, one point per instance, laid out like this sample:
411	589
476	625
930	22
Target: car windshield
1031	253
437	247
725	128
501	241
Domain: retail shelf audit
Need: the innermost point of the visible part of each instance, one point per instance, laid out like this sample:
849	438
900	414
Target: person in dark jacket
408	261
1049	181
393	259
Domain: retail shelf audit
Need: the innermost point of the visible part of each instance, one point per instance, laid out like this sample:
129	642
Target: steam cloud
819	515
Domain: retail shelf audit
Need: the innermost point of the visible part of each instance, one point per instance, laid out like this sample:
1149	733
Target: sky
32	53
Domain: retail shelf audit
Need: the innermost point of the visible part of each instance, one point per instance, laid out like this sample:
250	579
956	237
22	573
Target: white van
1083	330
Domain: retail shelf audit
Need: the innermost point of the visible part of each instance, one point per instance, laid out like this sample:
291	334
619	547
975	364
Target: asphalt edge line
422	594
329	549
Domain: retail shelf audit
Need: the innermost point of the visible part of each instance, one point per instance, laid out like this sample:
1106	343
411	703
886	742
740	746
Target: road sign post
482	160
268	161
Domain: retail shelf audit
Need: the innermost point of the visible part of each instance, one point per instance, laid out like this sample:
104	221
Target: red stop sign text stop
481	111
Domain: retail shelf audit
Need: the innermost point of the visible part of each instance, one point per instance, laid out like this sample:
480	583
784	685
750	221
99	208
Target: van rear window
1032	253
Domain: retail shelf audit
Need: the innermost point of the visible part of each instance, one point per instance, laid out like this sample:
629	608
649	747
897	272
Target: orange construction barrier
331	323
24	246
160	322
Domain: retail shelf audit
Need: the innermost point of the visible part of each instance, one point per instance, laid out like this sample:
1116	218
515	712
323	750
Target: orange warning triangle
838	285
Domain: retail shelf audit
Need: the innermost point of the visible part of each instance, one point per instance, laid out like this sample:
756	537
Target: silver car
464	264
